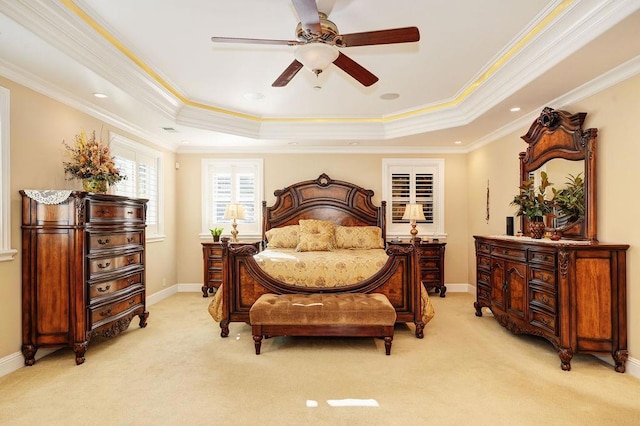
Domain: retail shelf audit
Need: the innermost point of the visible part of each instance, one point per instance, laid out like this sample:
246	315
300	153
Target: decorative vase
94	185
536	228
216	238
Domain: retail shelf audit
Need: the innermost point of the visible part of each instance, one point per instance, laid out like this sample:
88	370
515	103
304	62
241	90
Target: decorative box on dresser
83	268
212	262
571	293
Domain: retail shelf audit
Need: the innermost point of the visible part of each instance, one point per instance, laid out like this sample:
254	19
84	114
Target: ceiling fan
318	40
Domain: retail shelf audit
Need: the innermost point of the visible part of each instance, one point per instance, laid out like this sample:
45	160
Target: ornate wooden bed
344	204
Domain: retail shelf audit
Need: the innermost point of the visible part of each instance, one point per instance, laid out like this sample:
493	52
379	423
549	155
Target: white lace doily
48	196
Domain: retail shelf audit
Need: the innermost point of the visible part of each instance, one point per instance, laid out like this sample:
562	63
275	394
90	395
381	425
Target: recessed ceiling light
515	109
293	143
458	142
354	143
184	142
253	96
389	96
317	87
100	95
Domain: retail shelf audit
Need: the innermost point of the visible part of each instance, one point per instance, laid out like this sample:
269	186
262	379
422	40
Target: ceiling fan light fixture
316	56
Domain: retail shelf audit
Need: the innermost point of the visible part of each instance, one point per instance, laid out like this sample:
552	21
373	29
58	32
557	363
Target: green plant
216	232
570	199
533	204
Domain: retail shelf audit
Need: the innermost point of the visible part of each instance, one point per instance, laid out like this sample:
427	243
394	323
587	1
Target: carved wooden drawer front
108	288
215	275
483	248
105	313
484	262
483	291
544	320
110	212
542	257
107	241
430	252
509	253
544	300
108	264
543	277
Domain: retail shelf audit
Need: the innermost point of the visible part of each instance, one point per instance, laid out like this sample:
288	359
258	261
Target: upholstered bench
342	314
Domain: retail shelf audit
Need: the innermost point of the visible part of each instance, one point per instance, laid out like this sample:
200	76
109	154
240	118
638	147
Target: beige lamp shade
413	212
234	211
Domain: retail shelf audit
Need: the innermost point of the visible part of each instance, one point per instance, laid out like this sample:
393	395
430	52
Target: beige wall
281	170
39	125
614	112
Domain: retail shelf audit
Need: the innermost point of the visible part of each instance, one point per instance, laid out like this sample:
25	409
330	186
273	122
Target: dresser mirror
558	145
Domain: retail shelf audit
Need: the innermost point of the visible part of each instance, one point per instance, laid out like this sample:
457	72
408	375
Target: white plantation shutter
141	166
409	181
232	181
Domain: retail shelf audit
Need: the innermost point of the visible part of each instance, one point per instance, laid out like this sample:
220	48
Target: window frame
245	229
401	230
116	141
6	252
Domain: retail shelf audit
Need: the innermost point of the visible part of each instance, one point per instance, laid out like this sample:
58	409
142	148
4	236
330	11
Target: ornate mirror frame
559	134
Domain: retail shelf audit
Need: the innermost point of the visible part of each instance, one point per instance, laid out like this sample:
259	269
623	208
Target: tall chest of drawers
83	268
572	294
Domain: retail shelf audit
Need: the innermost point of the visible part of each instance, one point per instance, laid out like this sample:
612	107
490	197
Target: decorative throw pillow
284	237
316	235
359	237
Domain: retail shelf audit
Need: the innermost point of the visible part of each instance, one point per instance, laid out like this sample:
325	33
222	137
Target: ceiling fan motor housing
328	28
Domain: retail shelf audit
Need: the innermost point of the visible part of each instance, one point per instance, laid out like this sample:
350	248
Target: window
6	253
232	181
415	181
142	166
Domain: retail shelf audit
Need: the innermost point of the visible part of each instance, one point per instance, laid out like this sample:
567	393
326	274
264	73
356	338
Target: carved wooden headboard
340	202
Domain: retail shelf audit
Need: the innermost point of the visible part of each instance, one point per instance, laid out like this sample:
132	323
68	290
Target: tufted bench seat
342	314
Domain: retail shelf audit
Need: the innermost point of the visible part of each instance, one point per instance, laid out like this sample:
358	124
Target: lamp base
234	232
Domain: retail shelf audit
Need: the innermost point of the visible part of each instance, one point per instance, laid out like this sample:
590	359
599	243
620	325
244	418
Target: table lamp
234	211
413	213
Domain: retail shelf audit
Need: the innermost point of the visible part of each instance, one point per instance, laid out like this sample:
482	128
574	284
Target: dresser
83	268
212	262
571	294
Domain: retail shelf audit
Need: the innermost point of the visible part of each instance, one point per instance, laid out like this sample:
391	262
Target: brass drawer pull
103	211
131	281
102	290
106	265
105	313
132	302
130	239
103	243
545	300
130	212
131	260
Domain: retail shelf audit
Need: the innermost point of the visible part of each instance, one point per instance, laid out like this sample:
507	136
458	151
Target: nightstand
431	255
212	261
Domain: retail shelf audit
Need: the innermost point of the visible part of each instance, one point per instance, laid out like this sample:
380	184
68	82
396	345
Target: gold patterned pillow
316	235
284	237
359	237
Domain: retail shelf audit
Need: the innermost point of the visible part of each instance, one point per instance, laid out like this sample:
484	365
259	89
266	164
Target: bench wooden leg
387	344
257	341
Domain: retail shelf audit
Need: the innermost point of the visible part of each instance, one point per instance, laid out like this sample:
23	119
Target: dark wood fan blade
307	11
396	35
355	70
288	74
254	41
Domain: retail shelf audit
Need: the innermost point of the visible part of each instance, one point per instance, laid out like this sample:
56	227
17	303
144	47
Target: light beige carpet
467	370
